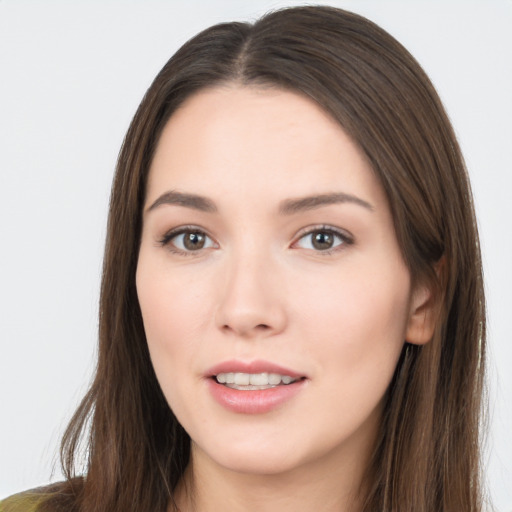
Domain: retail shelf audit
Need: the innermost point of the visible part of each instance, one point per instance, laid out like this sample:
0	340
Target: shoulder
51	498
27	501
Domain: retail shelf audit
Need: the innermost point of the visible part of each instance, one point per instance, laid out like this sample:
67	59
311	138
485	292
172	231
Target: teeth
258	379
242	379
254	379
274	379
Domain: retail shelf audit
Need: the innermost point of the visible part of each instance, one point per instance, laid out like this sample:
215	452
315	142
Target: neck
335	486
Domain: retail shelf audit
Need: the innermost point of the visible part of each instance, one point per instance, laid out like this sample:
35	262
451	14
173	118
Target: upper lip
257	366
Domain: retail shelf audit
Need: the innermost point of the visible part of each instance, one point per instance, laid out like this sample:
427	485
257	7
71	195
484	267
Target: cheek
174	314
172	303
357	323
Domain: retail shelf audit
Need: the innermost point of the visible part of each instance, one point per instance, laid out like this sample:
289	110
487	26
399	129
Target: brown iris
194	240
322	240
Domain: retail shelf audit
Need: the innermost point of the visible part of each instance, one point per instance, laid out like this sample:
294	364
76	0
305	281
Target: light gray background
71	76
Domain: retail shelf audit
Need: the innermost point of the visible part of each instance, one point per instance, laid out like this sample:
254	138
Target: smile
253	381
255	387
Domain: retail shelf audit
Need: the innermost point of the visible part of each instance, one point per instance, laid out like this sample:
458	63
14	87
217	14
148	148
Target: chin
252	457
259	464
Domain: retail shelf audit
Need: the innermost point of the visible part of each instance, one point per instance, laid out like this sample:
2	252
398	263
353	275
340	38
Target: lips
253	388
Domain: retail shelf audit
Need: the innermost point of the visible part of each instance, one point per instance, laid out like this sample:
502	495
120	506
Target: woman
292	308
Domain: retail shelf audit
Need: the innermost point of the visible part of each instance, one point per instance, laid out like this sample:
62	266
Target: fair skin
317	288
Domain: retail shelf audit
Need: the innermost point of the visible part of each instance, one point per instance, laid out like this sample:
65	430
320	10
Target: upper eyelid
347	240
171	233
324	227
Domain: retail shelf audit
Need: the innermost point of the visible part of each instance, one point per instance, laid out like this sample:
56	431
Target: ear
422	317
425	309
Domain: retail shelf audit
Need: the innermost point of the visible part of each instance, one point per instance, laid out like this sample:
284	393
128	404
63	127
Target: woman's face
268	255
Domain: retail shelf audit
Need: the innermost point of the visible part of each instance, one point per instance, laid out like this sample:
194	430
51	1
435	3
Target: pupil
194	241
322	240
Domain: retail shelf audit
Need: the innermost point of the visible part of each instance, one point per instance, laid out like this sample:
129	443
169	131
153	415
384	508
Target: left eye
322	240
189	240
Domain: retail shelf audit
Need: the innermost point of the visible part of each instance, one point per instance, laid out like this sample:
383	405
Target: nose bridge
251	303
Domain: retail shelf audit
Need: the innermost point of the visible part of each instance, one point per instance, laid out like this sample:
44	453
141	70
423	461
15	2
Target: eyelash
346	238
165	241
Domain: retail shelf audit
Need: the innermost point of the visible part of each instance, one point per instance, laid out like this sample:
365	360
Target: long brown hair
427	455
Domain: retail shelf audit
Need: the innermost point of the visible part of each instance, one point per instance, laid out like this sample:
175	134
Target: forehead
263	141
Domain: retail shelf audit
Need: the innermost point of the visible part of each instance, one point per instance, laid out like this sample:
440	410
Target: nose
252	299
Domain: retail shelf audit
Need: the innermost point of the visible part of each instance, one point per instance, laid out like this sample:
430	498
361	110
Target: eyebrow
291	206
286	207
188	200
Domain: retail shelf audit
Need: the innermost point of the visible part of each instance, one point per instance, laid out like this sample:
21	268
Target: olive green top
58	496
27	501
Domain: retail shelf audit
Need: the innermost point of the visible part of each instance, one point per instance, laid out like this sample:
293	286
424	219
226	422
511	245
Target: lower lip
255	401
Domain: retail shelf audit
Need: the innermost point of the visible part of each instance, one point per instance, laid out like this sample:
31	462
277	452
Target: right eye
187	240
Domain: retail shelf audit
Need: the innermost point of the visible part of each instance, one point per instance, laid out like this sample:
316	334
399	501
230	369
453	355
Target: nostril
261	328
